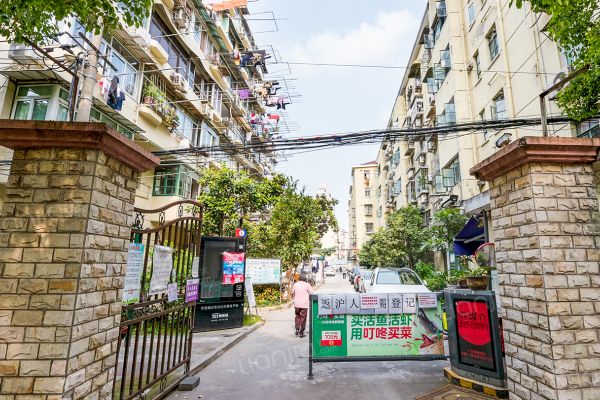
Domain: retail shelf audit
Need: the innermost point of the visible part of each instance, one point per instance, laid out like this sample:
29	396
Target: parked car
329	271
395	280
364	280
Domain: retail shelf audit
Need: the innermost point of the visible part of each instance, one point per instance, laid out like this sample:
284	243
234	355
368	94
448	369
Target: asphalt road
272	363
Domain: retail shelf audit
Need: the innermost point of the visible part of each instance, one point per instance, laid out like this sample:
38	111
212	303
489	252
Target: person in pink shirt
301	294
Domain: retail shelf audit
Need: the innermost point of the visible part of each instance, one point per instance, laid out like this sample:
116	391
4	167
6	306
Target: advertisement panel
475	336
233	268
362	335
263	270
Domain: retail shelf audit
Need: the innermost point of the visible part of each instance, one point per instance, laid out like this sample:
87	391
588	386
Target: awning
470	237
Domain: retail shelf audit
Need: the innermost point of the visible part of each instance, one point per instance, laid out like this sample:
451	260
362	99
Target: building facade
472	60
361	206
189	77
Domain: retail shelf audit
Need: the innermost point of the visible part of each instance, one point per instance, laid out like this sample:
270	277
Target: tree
446	223
324	251
400	243
296	223
228	196
35	20
575	26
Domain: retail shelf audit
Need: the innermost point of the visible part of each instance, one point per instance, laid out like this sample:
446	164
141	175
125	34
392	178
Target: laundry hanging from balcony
112	92
222	5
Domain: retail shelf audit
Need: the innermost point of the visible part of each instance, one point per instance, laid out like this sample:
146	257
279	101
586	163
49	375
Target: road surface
272	363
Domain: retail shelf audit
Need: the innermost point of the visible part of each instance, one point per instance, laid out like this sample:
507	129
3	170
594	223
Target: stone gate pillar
64	231
544	206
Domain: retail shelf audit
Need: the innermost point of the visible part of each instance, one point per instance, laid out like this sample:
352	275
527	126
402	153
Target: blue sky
336	99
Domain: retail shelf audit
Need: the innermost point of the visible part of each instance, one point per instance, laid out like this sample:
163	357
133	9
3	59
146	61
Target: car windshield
397	278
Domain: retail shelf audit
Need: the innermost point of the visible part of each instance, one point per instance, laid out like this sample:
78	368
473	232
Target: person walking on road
301	292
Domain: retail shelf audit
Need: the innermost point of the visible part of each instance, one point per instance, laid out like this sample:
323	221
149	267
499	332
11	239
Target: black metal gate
155	341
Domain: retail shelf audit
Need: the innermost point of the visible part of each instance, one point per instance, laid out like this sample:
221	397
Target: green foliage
36	19
434	280
456	276
251	319
399	244
575	26
446	223
324	251
229	195
267	295
296	223
477	271
282	221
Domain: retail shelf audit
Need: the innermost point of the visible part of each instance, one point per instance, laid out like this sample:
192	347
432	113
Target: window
498	108
187	126
402	277
208	137
32	102
97	116
368	209
493	44
477	64
450	112
369	228
451	173
471	13
588	129
368	192
173	181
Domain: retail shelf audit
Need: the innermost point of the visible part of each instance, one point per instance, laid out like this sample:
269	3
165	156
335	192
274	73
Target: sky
337	99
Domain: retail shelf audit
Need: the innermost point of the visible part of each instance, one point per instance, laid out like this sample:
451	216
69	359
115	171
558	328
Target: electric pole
89	80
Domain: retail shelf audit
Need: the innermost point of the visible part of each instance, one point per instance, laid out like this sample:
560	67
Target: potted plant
457	279
477	278
151	94
170	119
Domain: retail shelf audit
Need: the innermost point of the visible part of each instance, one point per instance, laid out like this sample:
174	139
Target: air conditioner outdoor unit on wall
23	54
179	82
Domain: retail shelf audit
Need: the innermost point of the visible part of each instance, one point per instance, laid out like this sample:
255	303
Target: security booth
222	269
475	341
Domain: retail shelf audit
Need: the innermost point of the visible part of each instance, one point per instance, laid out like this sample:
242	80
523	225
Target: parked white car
329	271
392	280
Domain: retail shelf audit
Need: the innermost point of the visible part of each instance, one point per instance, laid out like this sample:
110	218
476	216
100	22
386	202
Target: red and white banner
331	338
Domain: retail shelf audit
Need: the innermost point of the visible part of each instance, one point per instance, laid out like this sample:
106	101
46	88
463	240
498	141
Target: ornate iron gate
155	341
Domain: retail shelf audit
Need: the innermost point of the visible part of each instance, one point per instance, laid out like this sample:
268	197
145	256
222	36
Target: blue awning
470	237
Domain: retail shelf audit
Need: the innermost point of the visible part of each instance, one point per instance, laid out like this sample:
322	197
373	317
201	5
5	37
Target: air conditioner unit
180	17
23	54
179	82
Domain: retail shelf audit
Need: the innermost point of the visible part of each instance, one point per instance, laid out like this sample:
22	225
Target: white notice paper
427	300
133	275
196	267
250	292
162	264
172	292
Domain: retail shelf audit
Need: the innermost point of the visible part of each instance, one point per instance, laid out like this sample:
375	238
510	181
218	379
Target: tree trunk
89	81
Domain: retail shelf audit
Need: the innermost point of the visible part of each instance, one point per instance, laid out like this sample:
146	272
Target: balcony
410	172
410	192
410	149
441	10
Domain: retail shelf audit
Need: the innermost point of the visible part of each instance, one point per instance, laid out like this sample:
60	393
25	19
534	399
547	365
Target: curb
278	307
499	393
219	352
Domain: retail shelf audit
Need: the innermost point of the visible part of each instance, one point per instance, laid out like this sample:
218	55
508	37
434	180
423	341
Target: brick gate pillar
64	231
544	207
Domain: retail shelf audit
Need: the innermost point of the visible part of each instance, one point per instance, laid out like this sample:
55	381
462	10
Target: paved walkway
273	363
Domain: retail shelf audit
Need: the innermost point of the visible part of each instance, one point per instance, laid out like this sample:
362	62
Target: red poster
233	268
474	333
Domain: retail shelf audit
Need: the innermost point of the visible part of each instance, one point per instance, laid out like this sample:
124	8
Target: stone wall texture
547	230
64	232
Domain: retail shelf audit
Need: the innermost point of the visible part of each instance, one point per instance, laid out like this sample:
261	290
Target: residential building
187	78
361	206
472	60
